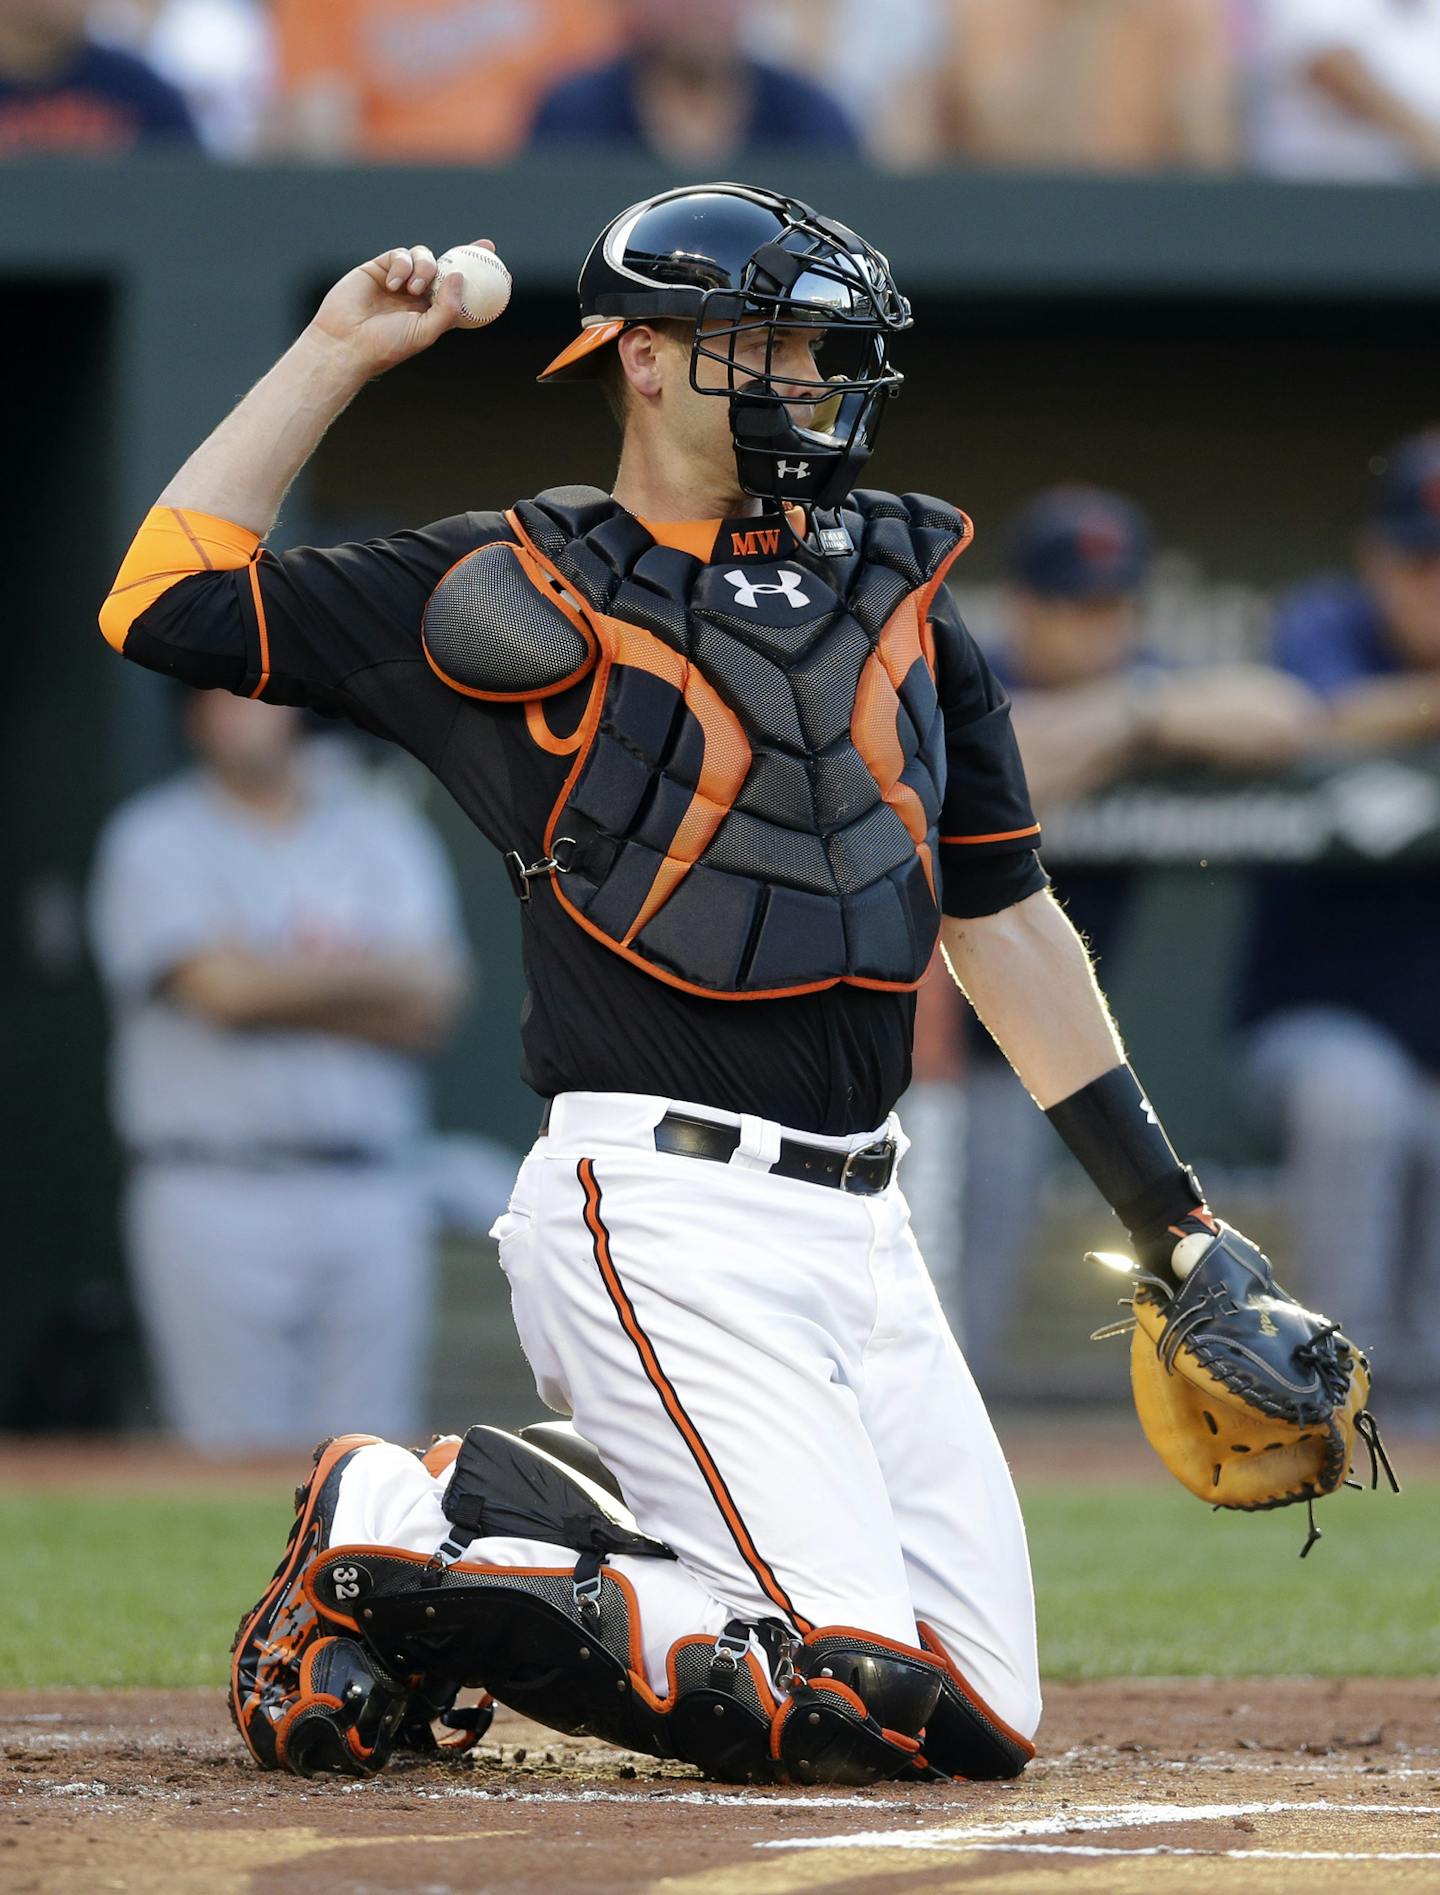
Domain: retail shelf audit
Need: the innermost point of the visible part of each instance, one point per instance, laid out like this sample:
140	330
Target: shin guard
964	1737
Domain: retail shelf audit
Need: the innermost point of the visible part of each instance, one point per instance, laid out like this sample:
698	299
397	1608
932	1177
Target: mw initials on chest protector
757	775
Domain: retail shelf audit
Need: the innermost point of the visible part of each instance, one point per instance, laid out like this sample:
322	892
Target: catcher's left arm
1248	1398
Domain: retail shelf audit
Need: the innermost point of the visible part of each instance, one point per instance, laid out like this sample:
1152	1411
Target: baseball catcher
747	768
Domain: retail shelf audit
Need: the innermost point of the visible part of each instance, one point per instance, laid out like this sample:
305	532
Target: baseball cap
1407	509
1078	543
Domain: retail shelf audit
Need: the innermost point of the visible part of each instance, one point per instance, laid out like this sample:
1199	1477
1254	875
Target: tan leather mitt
1250	1399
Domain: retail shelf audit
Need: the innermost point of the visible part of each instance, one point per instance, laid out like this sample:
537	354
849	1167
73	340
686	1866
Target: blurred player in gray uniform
281	943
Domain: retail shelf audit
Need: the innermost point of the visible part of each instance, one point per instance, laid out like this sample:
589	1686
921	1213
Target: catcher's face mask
750	270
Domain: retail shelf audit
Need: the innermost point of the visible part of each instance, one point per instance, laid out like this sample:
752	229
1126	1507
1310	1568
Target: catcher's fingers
399	266
422	271
410	269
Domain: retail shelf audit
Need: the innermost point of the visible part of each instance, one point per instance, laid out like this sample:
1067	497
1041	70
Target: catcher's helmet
734	261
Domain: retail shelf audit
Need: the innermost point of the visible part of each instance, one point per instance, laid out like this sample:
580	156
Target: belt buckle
883	1147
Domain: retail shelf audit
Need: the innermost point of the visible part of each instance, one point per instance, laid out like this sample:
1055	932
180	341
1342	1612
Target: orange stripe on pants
644	1348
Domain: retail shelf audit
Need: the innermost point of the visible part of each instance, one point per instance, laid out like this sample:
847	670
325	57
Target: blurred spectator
881	60
281	946
1091	709
220	54
61	91
686	91
1346	88
1338	986
1114	85
438	80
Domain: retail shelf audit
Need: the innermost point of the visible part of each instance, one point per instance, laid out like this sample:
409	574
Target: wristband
1111	1128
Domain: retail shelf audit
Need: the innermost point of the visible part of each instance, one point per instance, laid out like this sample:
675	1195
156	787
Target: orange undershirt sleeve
172	544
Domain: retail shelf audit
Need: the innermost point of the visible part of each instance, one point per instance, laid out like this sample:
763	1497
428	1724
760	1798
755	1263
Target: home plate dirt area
1267	1785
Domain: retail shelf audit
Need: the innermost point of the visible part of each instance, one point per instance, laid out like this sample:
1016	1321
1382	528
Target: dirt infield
1262	1786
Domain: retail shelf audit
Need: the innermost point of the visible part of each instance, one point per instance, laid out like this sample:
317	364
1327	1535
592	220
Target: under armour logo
798	468
747	591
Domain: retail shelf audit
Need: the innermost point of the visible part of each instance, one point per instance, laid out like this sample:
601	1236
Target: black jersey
338	630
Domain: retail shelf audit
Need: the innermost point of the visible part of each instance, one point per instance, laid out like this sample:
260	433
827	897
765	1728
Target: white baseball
484	283
1187	1253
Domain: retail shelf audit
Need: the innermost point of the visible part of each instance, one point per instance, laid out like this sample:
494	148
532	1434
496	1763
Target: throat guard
758	772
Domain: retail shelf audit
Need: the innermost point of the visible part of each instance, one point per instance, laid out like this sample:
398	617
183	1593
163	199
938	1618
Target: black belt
864	1173
258	1157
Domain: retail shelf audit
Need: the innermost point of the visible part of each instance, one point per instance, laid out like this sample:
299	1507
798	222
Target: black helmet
734	260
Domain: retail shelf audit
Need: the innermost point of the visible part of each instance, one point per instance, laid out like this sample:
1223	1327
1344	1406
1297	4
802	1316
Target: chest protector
756	780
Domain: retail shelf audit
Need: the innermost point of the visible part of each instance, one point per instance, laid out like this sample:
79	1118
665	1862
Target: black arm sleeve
988	831
334	629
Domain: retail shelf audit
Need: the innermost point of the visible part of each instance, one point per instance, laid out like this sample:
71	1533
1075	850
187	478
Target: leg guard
558	1644
857	1709
307	1703
964	1737
562	1645
271	1639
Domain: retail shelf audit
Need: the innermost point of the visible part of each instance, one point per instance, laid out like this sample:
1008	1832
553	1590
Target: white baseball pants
763	1364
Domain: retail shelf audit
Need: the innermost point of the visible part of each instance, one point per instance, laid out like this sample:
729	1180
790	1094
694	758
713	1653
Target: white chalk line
1095	1816
652	1799
1163	1849
710	1799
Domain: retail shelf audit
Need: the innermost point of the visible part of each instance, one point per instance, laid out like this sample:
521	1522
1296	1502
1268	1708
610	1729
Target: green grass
144	1589
1149	1582
130	1589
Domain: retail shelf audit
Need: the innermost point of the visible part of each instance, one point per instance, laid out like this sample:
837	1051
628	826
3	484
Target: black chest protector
755	784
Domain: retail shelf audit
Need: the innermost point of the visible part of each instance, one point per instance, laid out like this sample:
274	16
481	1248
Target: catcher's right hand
1250	1399
380	314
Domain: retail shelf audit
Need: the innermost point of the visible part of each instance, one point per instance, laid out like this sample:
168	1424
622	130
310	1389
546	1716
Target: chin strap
779	462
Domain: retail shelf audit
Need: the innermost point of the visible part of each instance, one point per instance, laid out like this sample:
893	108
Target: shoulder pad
915	534
561	514
916	509
498	627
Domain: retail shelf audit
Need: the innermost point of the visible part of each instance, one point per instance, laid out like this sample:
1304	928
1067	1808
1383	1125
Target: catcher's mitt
1249	1399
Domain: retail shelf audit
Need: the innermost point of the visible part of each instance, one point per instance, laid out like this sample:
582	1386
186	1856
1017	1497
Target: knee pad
964	1737
347	1713
899	1685
857	1709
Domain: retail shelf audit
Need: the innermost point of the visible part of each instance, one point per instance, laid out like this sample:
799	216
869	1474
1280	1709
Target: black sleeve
335	629
988	831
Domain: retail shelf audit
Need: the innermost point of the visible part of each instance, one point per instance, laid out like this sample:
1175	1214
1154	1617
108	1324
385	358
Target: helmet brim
579	359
